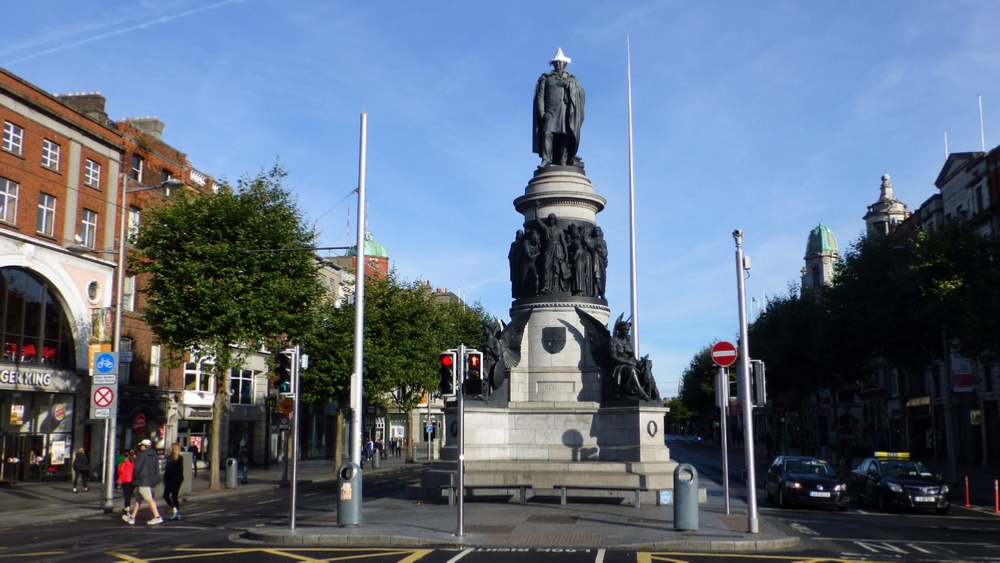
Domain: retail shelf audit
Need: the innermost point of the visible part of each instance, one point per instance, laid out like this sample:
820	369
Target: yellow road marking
649	557
293	553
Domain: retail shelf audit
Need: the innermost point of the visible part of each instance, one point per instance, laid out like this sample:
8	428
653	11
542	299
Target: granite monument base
548	445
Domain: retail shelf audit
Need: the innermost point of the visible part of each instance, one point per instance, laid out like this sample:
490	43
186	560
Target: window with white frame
13	138
46	214
8	200
198	376
154	365
88	228
128	293
50	154
138	164
92	173
241	386
134	218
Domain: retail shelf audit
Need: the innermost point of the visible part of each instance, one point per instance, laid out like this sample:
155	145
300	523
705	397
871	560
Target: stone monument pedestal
551	444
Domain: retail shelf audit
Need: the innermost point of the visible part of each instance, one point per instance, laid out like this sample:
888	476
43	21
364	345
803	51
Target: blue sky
766	116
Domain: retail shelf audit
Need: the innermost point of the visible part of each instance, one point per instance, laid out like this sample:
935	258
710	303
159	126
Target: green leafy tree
209	295
679	413
405	329
698	388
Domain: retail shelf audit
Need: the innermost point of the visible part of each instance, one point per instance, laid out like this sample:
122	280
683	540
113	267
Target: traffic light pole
296	363
744	389
460	388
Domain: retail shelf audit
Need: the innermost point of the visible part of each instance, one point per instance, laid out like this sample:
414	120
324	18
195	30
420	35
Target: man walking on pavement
144	479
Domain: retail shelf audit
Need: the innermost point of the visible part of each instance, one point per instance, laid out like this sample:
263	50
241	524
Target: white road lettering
879	547
802	529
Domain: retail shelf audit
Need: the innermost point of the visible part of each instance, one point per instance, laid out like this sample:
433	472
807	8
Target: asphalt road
211	532
861	533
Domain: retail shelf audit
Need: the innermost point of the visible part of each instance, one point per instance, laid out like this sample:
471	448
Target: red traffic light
446	360
474	360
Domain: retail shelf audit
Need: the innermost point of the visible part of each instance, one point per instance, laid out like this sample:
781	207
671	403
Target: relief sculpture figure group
554	260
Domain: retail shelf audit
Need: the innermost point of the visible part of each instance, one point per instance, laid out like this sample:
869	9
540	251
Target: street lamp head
173	183
170	184
84	249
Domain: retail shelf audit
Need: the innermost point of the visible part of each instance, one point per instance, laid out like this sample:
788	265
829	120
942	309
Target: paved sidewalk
397	521
542	523
30	501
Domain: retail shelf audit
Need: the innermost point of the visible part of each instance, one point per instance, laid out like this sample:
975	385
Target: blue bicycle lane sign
106	363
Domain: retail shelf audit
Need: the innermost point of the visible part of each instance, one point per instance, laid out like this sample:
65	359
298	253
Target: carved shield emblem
553	339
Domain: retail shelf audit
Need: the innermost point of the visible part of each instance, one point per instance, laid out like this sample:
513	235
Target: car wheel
883	503
781	498
942	511
854	497
842	507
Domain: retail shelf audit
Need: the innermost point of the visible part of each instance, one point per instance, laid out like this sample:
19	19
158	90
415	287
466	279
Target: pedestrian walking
144	476
125	479
120	456
245	463
369	449
81	469
392	447
173	476
193	448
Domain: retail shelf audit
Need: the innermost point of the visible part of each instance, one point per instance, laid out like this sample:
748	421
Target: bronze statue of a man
558	115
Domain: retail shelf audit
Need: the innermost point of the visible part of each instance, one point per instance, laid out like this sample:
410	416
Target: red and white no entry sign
103	397
724	354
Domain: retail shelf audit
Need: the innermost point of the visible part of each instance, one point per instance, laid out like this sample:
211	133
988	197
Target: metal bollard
376	458
685	497
349	497
231	469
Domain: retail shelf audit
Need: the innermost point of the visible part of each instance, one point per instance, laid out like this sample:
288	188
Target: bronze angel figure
501	348
630	379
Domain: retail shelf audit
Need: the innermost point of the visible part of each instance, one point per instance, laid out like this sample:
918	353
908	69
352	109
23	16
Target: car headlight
841	487
794	484
944	489
895	488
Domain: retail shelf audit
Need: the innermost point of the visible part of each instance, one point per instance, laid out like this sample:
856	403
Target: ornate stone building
887	213
822	255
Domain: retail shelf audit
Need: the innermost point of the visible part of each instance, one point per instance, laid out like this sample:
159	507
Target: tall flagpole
631	207
357	378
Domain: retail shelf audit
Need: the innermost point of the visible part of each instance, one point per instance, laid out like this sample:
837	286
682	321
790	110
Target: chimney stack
90	104
149	125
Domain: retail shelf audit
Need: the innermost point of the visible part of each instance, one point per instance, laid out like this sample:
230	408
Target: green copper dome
822	239
372	248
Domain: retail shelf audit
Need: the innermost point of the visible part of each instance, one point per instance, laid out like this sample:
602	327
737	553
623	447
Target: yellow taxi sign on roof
892	455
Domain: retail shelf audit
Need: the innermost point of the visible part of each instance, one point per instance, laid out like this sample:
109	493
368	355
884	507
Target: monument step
552	479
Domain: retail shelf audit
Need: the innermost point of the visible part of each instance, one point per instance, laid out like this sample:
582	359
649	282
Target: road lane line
204	513
461	555
924	542
600	556
269	501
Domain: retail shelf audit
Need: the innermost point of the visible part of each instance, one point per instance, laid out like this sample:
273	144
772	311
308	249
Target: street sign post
722	401
723	354
104	385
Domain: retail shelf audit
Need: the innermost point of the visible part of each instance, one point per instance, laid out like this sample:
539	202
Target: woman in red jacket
125	479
